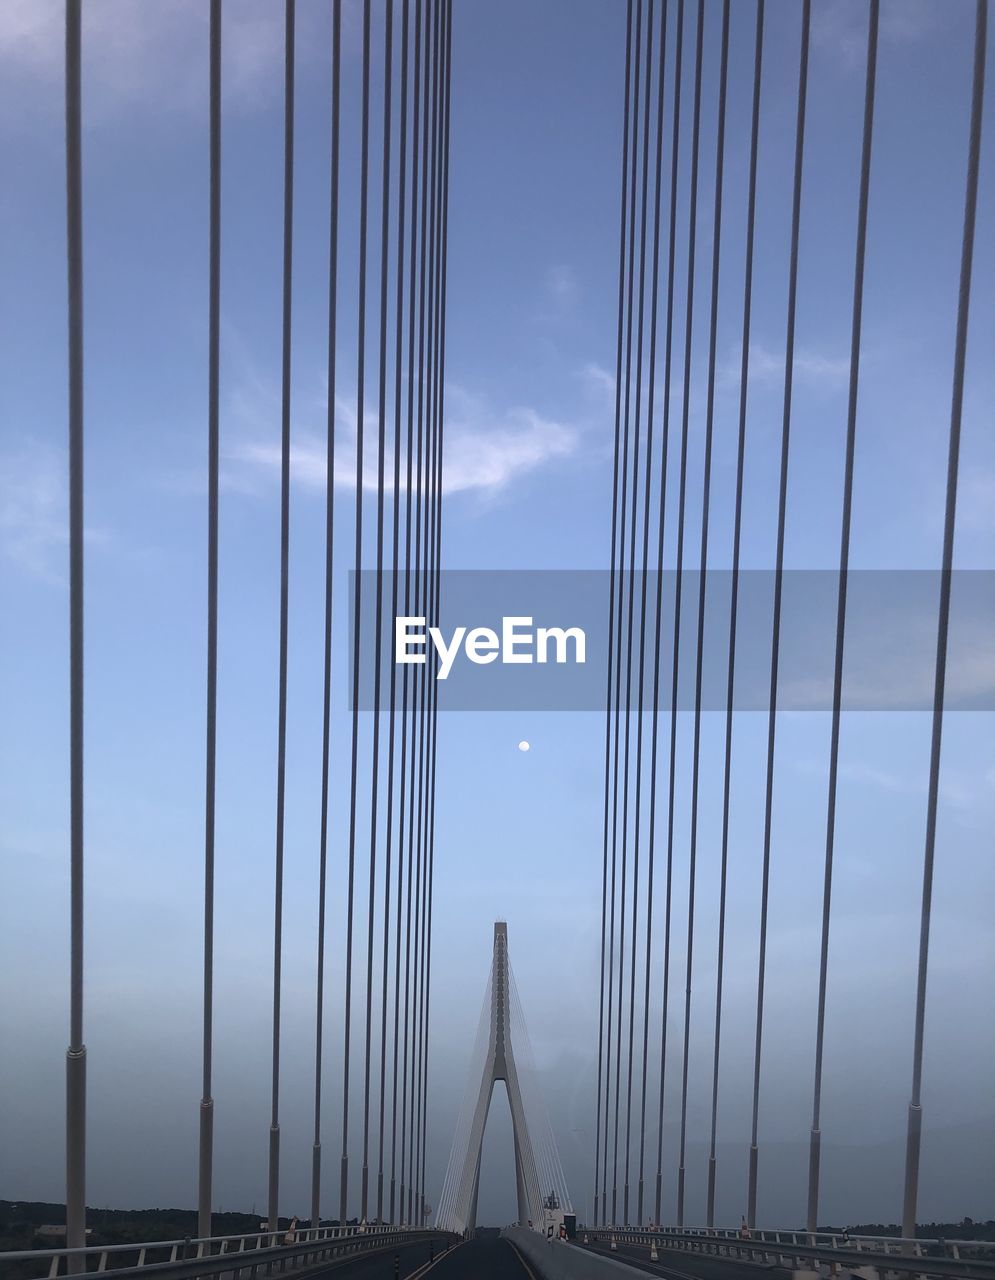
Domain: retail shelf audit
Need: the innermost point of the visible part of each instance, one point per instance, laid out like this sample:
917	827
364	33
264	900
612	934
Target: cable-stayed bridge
538	1173
390	133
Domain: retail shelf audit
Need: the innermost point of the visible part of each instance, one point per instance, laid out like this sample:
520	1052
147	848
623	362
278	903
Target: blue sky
537	95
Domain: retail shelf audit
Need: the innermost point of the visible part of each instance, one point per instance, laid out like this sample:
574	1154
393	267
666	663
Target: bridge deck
490	1258
486	1259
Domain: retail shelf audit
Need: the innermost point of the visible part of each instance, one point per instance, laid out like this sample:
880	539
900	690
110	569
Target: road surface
493	1258
488	1259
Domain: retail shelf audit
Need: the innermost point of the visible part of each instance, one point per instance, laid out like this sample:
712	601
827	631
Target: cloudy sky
537	95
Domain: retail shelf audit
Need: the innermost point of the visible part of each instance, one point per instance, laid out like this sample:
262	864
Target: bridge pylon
458	1205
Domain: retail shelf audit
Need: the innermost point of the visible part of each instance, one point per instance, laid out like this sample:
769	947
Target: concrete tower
500	1065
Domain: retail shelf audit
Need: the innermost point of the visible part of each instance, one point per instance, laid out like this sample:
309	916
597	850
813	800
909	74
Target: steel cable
702	587
420	599
281	767
685	425
378	620
943	617
664	455
647	504
641	312
407	783
333	257
734	583
76	1052
392	711
210	756
621	863
427	589
604	1050
445	19
357	612
841	599
418	711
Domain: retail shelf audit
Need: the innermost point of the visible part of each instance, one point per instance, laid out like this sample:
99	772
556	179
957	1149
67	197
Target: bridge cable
357	611
76	1052
210	756
421	543
641	312
392	711
736	545
685	425
432	489
418	712
702	585
418	726
620	864
378	619
540	1123
943	621
443	135
427	594
664	455
407	784
333	258
441	263
524	1066
281	767
858	293
787	405
448	1209
650	406
602	1058
535	1164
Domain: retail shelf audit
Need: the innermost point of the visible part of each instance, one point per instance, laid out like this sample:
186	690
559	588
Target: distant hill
20	1220
117	1226
967	1229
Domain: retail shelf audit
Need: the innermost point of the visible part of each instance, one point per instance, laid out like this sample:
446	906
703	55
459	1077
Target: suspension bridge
370	1211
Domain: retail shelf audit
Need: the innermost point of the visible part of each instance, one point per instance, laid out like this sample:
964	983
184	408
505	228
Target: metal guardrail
831	1252
240	1257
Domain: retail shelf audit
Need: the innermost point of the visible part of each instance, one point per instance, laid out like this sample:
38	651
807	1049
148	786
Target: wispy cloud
967	793
816	368
485	452
138	51
34	522
561	284
840	26
598	381
485	449
250	466
33	528
559	293
976	500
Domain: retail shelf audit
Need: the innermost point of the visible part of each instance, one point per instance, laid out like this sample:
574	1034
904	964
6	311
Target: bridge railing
829	1252
843	1240
238	1257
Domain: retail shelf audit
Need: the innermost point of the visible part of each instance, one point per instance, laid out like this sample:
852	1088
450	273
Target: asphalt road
493	1258
487	1259
412	1259
490	1258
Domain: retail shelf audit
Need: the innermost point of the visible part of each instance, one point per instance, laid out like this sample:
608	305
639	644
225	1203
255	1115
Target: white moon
523	746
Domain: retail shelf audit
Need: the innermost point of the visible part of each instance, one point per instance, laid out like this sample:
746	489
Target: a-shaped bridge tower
538	1173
